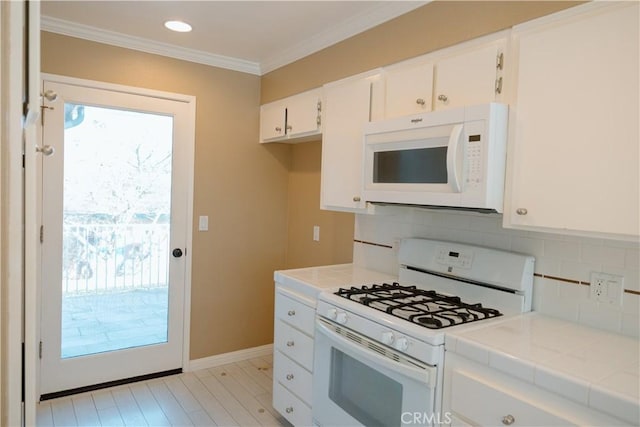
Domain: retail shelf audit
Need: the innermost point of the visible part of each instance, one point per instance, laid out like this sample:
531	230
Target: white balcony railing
110	257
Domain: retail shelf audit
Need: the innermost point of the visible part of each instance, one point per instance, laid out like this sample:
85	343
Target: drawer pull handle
521	211
420	101
356	198
289	377
290	343
278	129
508	420
443	98
289	410
291	313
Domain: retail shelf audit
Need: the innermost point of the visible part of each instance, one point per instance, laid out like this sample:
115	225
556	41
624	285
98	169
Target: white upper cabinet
347	107
272	121
292	119
408	89
574	140
469	77
467	74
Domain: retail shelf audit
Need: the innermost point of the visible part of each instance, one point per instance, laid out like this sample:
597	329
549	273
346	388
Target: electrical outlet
607	288
316	233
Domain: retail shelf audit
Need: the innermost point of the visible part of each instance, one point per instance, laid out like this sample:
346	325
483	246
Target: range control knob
387	338
332	313
401	344
341	318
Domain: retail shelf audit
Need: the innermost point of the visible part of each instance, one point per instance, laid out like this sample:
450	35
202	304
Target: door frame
188	145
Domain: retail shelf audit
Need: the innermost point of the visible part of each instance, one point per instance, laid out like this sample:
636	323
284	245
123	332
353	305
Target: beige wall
239	183
434	26
336	229
263	200
431	27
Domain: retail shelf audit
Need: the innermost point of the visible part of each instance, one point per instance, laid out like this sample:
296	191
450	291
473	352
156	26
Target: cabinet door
467	78
346	110
574	143
408	90
272	118
303	114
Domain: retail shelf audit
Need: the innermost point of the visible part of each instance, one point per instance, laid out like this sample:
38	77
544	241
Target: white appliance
451	158
379	349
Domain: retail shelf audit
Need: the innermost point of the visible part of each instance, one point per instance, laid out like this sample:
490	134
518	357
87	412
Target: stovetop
422	307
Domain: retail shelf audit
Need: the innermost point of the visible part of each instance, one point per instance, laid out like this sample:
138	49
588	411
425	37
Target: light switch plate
316	233
203	223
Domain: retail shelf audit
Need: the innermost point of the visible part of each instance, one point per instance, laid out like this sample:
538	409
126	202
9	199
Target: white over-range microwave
451	159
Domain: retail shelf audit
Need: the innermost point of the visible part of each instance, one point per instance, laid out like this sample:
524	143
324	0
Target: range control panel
460	259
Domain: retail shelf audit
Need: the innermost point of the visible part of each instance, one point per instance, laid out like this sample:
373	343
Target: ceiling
249	36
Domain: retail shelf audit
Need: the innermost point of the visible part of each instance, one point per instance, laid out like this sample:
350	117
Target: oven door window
364	393
411	166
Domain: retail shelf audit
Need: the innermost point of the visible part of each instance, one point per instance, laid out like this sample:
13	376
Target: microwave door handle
454	168
426	375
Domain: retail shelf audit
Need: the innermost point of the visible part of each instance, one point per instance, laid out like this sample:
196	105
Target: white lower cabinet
478	395
293	356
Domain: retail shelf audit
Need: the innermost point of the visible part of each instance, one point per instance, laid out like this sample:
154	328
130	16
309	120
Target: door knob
177	252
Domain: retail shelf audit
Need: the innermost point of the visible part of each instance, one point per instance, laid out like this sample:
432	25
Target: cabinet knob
291	313
290	343
289	410
442	98
289	377
508	420
420	101
289	128
521	211
356	198
278	129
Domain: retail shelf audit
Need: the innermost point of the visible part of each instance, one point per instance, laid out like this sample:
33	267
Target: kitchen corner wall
563	263
240	184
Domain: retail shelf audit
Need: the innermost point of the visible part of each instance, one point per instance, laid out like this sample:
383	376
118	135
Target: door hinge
499	85
500	61
40	350
41	233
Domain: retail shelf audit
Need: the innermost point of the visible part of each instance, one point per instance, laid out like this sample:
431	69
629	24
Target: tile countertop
592	367
313	280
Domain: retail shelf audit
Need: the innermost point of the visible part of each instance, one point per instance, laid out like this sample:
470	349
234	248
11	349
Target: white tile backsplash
566	257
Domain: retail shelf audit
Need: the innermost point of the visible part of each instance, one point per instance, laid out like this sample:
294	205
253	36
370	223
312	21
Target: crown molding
340	32
72	29
326	38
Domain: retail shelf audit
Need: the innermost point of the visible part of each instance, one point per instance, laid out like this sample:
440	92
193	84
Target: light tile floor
237	394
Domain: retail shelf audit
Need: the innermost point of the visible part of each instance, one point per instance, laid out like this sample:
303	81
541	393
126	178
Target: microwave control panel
474	159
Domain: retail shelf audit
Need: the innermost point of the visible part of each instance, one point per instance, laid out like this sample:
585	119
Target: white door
115	214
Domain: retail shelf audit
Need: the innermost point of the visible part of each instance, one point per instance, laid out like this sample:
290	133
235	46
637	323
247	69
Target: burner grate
422	307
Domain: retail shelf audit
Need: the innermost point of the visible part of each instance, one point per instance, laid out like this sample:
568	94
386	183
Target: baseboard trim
234	356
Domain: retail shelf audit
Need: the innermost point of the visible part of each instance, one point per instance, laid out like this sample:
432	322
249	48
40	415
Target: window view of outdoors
116	214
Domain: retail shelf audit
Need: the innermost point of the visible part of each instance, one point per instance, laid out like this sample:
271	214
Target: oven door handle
425	375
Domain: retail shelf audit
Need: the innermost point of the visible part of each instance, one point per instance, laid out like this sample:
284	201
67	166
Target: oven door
357	381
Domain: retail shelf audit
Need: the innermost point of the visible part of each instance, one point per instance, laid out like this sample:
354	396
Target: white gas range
379	348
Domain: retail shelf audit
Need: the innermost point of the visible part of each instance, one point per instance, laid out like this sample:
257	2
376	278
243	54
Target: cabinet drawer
290	407
292	376
295	313
470	397
294	344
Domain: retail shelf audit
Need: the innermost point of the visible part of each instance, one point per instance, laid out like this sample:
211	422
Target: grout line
373	244
576	282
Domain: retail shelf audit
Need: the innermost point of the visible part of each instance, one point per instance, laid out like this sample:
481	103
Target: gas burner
422	307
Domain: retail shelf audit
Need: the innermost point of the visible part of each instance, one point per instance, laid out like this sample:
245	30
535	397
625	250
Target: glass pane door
116	228
115	214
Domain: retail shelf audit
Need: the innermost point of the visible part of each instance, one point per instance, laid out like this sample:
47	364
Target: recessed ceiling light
179	26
